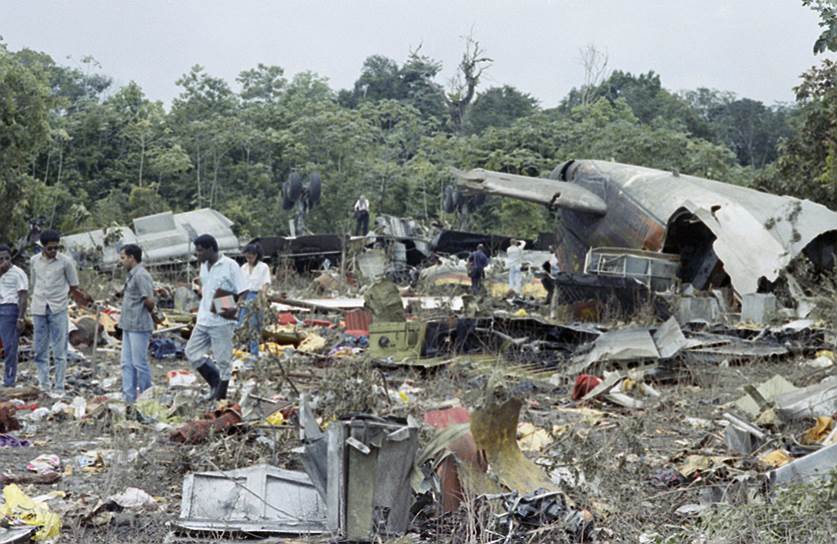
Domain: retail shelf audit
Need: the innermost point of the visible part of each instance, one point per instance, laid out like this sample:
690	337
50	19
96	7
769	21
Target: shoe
209	373
56	395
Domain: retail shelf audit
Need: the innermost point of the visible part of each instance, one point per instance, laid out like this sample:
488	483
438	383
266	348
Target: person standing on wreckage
514	262
221	284
54	280
477	261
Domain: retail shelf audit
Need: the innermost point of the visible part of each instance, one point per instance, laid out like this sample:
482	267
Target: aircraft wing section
552	193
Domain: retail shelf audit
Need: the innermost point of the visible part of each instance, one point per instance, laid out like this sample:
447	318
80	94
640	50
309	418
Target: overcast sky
755	48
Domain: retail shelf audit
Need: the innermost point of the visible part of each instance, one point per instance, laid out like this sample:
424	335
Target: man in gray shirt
54	278
136	323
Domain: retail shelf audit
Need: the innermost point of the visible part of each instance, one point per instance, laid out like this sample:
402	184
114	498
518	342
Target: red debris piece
585	383
219	421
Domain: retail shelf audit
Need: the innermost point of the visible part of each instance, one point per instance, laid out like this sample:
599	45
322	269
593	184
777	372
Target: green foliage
827	10
498	107
84	155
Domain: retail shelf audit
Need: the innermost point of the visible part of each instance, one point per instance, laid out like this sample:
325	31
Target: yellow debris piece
275	419
775	458
531	438
18	506
819	431
312	343
275	349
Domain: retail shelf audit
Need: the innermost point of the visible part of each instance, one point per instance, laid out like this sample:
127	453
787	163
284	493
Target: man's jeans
51	333
136	372
9	337
219	340
251	319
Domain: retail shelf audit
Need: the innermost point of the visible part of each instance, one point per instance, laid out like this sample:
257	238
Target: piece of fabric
12	282
9	338
51	332
250	318
51	282
362	205
136	372
225	275
218	340
257	276
139	286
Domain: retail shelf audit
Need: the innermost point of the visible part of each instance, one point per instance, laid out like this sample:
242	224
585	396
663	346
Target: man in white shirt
257	277
221	285
14	288
361	216
514	262
54	279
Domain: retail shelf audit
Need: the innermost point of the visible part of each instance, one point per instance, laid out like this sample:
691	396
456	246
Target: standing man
477	261
136	323
14	288
514	261
54	278
552	268
221	285
361	216
257	276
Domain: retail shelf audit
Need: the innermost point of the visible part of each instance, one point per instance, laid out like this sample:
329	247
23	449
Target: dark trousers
9	337
548	284
476	282
361	223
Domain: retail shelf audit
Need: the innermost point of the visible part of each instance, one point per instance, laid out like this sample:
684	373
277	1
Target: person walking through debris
477	261
257	277
14	288
54	279
550	266
514	261
221	283
361	216
136	322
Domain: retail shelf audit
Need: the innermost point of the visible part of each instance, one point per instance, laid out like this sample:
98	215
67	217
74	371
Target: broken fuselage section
724	234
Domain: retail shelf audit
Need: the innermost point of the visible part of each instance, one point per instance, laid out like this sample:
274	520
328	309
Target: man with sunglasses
54	279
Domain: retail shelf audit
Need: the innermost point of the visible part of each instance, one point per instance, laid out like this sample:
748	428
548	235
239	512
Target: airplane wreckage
723	234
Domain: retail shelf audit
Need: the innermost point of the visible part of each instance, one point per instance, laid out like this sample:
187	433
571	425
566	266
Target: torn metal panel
770	389
669	339
164	237
623	345
815	400
812	467
16	535
368	466
494	428
657	271
257	499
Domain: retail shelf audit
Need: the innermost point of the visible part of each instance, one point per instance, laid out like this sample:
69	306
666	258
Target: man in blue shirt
221	284
136	323
477	261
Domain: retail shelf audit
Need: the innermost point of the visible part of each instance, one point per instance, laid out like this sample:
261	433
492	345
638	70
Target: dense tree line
83	154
